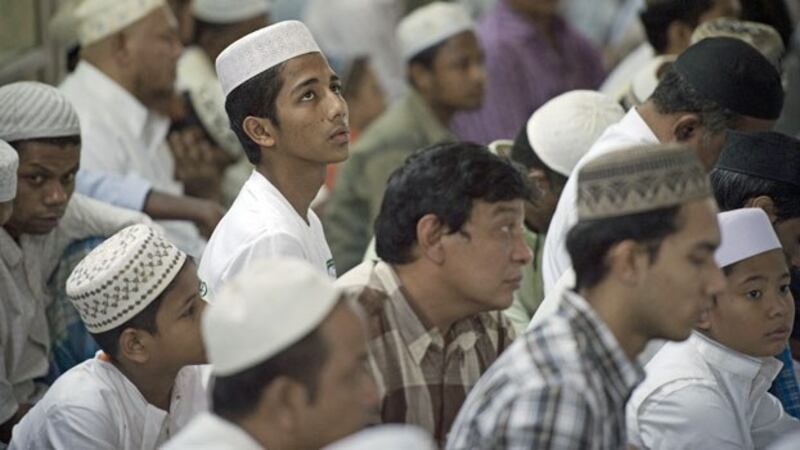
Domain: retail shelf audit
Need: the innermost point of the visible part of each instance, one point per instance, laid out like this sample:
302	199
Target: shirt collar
728	360
429	124
12	253
262	185
635	125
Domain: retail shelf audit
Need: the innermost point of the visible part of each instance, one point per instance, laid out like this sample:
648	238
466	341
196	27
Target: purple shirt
523	72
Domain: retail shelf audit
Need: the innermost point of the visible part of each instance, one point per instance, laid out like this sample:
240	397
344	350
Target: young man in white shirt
710	391
138	296
286	107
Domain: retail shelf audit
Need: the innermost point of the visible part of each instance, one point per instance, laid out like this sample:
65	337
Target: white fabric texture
646	80
97	19
430	25
210	432
262	50
260	224
229	11
24	272
701	394
264	309
9	162
94	406
35	110
619	80
386	437
745	233
120	135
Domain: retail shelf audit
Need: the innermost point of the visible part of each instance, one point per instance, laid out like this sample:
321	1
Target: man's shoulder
89	386
396	128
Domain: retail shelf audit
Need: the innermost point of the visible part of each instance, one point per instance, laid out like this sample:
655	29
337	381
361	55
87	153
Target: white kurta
120	135
701	394
210	432
25	269
629	132
94	406
260	224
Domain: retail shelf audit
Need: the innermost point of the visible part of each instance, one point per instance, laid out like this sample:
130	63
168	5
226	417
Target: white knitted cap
229	11
430	25
262	50
32	110
98	19
9	162
745	233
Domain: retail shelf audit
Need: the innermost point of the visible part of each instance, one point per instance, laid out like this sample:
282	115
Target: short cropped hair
733	189
523	153
658	16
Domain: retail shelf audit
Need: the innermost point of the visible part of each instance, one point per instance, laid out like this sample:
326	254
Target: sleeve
771	422
691	417
125	191
78	428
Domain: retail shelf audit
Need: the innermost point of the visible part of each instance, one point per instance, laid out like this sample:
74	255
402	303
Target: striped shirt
562	385
422	375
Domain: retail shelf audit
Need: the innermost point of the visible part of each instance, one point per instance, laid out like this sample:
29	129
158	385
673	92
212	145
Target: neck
298	181
442	112
433	301
656	121
264	432
611	306
156	388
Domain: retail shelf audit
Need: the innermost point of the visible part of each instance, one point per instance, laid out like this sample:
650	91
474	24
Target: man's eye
308	96
337	89
36	179
754	294
785	289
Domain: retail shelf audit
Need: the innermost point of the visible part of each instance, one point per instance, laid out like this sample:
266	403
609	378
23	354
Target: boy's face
457	79
6	209
755	313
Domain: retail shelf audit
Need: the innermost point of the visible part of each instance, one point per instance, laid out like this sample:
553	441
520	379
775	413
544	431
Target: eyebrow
306	83
753	278
47	170
709	246
500	210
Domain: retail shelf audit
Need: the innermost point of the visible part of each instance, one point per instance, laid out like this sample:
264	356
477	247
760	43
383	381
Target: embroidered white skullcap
229	11
261	50
263	310
386	437
31	110
9	161
562	130
745	232
430	25
121	276
98	19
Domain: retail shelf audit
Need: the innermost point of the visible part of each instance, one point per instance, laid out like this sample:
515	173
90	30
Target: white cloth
98	19
94	406
210	432
618	82
745	233
9	162
386	437
120	135
700	394
260	224
229	11
431	25
631	131
25	269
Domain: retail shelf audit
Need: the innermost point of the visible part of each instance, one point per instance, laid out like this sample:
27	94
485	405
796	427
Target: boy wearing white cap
710	391
9	161
287	358
286	108
444	63
138	296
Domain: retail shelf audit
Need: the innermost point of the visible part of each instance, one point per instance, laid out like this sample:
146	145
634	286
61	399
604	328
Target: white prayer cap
745	232
32	110
261	50
98	19
121	276
263	310
9	161
646	80
386	437
562	130
229	11
430	25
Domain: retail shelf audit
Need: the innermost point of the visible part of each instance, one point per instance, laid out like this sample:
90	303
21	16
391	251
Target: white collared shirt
629	132
701	394
260	224
210	432
120	135
93	405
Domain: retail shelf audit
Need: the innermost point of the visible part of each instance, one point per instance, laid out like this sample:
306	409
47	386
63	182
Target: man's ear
119	46
285	400
764	202
430	232
134	345
687	127
627	260
260	130
539	180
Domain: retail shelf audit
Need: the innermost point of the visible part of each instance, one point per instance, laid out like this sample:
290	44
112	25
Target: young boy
710	391
9	161
138	296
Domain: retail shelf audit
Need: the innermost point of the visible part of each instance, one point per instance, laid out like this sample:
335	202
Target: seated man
138	296
643	255
287	357
710	391
450	238
37	121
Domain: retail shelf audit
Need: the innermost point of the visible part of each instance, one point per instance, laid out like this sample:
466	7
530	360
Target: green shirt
531	291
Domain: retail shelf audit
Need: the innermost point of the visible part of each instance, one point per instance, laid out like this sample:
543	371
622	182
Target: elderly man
286	107
138	296
42	127
643	252
445	69
129	50
287	356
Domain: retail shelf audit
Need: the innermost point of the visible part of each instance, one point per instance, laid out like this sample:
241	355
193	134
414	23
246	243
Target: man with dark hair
445	70
138	296
450	238
643	253
287	356
715	85
286	107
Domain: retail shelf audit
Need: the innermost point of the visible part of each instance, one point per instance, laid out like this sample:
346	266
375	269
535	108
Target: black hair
444	180
523	153
658	16
255	97
55	141
674	94
588	242
733	189
425	58
234	397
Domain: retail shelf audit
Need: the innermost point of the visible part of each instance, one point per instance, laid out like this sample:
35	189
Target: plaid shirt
562	385
423	377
